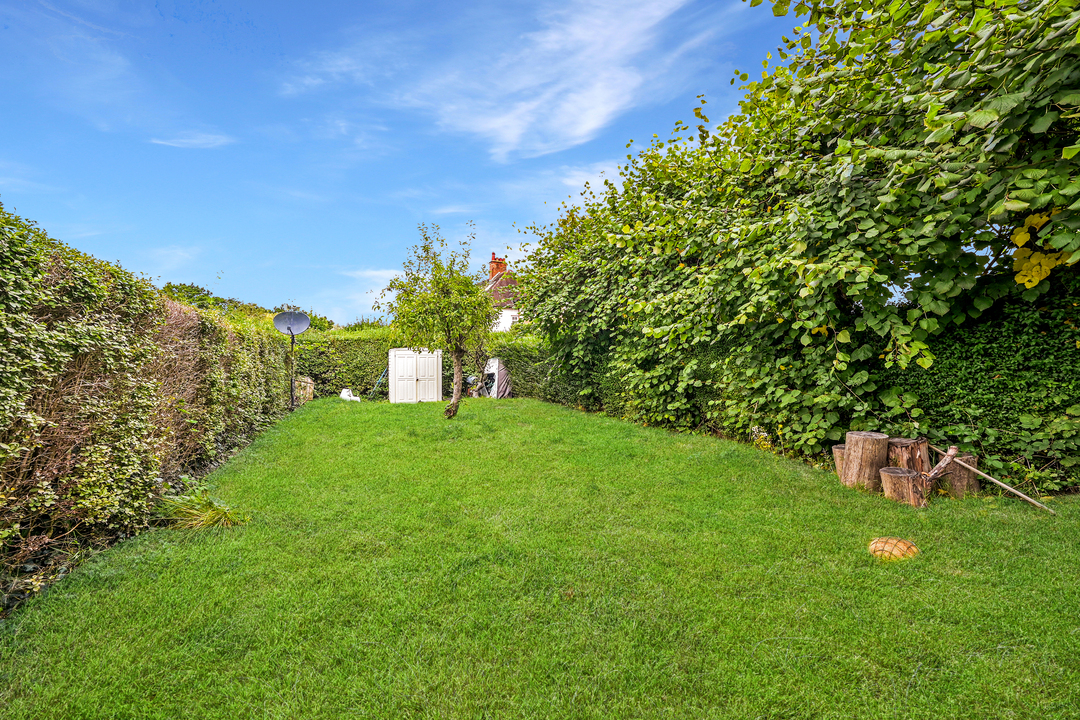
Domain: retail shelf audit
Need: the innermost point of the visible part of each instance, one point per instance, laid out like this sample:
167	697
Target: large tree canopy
906	166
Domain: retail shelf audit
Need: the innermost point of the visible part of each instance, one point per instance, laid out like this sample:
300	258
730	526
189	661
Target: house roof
502	287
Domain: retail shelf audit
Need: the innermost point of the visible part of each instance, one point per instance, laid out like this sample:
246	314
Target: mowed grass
526	560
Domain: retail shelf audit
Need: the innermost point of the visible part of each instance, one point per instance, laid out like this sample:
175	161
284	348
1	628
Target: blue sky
284	151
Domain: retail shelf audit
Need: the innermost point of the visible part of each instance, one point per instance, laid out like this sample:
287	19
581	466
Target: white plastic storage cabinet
415	376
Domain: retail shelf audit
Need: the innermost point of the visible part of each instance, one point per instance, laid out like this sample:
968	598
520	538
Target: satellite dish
291	323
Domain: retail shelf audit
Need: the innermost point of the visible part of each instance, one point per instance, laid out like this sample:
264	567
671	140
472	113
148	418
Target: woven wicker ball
893	548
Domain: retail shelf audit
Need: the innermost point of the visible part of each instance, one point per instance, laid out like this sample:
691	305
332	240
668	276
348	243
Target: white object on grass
346	394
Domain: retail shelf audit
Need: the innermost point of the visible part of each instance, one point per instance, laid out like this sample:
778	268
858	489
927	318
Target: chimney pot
497	266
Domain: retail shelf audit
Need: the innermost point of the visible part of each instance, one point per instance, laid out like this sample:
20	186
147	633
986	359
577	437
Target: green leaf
1005	103
982	303
939	307
940	135
1030	421
1041	125
1073	410
1070	152
746	165
843	336
982	118
924	362
1016	205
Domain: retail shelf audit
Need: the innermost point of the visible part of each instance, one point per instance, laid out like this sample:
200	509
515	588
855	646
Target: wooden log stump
910	453
865	453
958	480
903	485
838	458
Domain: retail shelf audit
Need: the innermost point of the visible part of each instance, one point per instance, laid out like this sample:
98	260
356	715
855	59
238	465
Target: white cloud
593	175
533	91
173	257
556	87
544	190
19	184
376	277
78	19
453	209
348	303
195	140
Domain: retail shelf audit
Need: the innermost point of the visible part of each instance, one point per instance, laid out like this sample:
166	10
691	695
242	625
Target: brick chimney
497	266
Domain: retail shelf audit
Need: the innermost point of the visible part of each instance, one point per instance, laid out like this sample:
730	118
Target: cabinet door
428	378
405	377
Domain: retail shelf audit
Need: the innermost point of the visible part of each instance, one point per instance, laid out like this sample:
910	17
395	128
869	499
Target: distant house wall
506	319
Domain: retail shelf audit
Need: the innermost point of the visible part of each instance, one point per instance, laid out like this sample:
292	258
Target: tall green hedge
76	440
108	391
1005	386
534	373
223	378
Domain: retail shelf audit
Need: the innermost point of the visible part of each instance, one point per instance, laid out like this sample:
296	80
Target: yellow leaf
1021	236
1037	221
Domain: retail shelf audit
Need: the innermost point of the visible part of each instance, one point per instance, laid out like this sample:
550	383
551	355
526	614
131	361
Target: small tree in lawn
438	303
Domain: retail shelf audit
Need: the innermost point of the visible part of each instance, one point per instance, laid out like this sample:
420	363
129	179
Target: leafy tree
907	166
438	303
318	322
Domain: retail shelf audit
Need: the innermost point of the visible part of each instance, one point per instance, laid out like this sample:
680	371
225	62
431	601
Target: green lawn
526	560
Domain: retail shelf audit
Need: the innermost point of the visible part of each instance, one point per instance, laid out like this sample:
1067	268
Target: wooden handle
996	482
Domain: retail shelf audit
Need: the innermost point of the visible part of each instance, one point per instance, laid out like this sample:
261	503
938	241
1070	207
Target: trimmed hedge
108	391
77	445
533	372
353	359
223	378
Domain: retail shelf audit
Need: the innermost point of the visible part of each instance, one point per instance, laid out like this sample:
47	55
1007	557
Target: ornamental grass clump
198	510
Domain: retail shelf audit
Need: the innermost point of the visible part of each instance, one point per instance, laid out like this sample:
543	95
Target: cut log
838	458
865	453
903	485
910	453
961	480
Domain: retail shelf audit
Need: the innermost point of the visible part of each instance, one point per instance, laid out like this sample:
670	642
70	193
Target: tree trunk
902	485
865	453
960	481
910	454
452	408
838	458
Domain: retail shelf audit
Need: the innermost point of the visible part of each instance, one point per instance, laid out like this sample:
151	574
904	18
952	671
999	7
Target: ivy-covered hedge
107	392
353	359
1005	386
